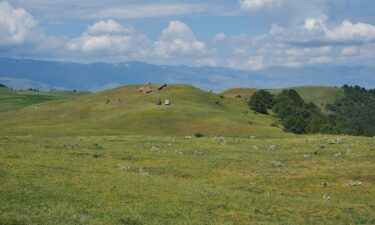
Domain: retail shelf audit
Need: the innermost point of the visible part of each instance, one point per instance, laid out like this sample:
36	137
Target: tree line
352	114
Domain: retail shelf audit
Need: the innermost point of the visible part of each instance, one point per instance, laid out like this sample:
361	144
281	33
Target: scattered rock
276	163
354	183
327	197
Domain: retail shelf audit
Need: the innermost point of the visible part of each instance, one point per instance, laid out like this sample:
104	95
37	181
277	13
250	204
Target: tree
261	100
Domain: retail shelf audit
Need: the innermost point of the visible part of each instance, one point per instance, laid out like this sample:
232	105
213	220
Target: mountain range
44	75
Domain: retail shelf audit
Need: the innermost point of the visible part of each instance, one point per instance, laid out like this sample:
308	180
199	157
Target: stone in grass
276	163
306	157
154	149
271	148
327	197
354	183
337	154
325	184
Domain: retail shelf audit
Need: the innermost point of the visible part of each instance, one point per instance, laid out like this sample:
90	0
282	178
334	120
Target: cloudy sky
243	34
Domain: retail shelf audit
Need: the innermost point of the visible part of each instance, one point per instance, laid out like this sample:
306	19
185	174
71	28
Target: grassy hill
130	112
17	99
316	94
234	92
116	157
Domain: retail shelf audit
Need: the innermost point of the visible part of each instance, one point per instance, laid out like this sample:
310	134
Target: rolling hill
16	99
126	111
317	94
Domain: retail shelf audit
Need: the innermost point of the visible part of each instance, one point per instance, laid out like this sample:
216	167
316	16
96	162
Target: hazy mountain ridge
99	76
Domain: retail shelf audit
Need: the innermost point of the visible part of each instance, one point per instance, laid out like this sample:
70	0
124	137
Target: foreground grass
176	180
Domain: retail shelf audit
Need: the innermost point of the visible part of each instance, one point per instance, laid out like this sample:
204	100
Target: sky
240	34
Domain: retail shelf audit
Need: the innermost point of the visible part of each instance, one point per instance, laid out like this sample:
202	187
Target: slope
316	94
17	99
126	111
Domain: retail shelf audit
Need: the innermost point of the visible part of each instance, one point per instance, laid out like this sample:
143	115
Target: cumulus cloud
253	5
178	39
110	37
17	26
149	11
349	51
349	31
220	37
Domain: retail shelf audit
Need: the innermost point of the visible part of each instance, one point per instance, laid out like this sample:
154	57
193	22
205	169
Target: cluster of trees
3	85
33	89
352	114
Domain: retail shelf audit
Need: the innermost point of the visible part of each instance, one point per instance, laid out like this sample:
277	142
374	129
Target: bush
198	135
261	100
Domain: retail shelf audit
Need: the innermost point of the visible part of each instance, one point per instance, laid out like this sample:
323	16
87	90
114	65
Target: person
158	102
167	102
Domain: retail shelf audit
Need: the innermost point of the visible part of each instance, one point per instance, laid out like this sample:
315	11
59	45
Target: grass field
12	100
85	161
173	180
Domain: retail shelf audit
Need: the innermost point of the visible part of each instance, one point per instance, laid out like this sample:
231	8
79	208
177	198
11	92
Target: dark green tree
261	100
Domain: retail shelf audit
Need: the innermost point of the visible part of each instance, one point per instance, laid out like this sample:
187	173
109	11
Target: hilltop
124	110
317	94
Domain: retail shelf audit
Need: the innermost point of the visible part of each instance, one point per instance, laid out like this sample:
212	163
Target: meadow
82	161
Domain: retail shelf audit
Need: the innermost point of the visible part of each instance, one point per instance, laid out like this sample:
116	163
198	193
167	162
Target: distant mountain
25	84
100	76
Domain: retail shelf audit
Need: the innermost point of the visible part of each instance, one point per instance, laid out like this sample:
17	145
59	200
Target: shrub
261	100
198	135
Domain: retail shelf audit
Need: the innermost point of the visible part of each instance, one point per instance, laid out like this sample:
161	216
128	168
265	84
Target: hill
317	94
126	111
16	99
235	92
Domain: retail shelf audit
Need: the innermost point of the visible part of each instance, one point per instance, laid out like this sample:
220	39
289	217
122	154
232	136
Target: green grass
17	99
173	180
130	112
235	92
316	94
82	161
319	95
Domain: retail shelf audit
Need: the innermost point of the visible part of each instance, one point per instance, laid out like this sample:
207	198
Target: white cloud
320	60
349	51
17	26
178	39
149	11
110	37
349	31
253	5
107	27
255	63
219	37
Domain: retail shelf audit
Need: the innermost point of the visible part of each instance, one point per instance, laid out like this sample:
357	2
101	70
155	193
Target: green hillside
17	99
130	112
116	157
235	92
316	94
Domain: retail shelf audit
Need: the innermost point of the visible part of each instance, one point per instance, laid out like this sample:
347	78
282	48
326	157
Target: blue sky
241	34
